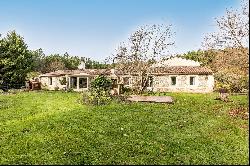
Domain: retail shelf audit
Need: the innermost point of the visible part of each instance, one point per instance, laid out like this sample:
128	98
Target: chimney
81	66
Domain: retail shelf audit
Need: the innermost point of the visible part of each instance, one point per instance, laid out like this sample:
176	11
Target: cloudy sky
94	28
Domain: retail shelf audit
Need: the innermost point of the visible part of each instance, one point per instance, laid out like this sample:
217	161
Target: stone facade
51	83
202	83
174	75
161	83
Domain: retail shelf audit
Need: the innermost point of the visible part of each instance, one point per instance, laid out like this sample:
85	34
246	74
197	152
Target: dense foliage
101	82
99	93
55	62
15	60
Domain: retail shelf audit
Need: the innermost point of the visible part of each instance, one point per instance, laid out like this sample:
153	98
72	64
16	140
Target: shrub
56	88
96	97
221	85
99	91
126	90
232	81
63	81
101	82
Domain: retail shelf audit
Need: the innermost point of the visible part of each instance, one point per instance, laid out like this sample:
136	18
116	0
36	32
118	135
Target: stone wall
203	83
55	83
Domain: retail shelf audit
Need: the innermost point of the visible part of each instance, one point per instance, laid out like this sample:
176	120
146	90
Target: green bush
63	81
101	83
232	81
99	91
126	90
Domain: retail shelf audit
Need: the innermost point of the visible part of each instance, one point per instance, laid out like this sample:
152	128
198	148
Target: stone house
78	80
173	75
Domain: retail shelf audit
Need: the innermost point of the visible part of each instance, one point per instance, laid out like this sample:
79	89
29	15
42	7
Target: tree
233	29
38	60
56	64
71	63
230	46
143	48
204	57
60	62
232	37
92	64
15	59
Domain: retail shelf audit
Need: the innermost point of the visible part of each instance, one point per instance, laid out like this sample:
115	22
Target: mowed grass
54	128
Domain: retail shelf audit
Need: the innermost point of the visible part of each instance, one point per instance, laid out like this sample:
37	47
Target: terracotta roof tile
182	70
76	72
156	71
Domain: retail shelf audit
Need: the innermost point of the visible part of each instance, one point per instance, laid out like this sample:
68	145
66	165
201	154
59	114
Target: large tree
143	48
15	60
230	47
39	60
233	29
70	62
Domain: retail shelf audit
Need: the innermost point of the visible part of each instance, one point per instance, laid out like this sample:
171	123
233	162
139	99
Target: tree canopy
15	59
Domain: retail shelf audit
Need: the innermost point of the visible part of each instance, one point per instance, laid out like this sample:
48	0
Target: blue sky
94	28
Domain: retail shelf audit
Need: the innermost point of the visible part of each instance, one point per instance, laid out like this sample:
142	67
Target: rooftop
156	71
182	70
176	61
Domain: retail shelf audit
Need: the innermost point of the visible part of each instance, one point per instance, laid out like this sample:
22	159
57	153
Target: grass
53	128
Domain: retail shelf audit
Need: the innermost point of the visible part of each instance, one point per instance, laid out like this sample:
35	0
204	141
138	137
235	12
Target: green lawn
53	128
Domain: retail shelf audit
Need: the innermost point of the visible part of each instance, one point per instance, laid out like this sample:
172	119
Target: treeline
230	66
18	63
55	62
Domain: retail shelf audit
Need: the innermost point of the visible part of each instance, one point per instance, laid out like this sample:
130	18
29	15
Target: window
150	81
192	80
50	80
83	82
126	80
173	80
